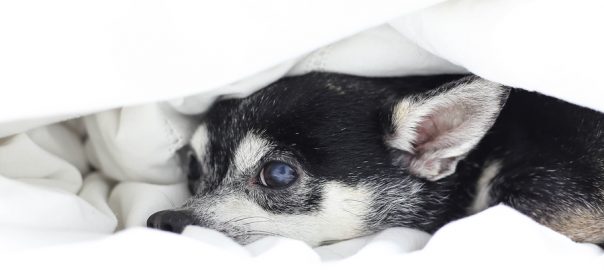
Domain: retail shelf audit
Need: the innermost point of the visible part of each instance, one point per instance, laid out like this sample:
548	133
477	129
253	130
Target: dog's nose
170	220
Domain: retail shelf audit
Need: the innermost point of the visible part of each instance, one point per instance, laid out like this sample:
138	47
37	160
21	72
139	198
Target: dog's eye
277	174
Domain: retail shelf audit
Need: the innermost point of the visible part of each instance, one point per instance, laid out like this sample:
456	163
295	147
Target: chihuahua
325	157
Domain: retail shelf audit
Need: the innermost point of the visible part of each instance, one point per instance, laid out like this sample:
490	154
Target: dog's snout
170	220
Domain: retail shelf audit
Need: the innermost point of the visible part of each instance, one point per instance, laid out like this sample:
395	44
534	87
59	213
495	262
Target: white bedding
55	211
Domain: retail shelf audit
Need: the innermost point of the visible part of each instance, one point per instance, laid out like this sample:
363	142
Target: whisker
252	222
255	234
352	213
244	218
229	221
265	232
359	201
238	219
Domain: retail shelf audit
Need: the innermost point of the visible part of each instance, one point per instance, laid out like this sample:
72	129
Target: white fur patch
405	120
340	216
250	151
483	187
200	141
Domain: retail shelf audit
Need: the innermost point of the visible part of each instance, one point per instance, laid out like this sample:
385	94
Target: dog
325	157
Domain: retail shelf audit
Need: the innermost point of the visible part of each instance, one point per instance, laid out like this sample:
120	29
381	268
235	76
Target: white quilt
63	59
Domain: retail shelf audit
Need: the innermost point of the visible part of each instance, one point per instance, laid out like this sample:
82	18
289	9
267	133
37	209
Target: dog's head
326	157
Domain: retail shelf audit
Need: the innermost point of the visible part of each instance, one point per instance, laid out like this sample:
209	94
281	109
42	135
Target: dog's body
326	157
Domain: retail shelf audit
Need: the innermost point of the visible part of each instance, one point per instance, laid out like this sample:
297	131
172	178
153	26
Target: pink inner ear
438	124
426	131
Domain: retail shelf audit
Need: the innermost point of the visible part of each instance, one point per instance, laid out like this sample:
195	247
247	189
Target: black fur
333	127
553	154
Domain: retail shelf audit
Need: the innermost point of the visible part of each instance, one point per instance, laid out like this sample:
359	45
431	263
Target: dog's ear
431	132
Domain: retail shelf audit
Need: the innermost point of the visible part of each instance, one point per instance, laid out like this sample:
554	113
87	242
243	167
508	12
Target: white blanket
55	209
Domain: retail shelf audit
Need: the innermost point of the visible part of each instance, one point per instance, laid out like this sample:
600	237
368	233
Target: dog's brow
250	151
